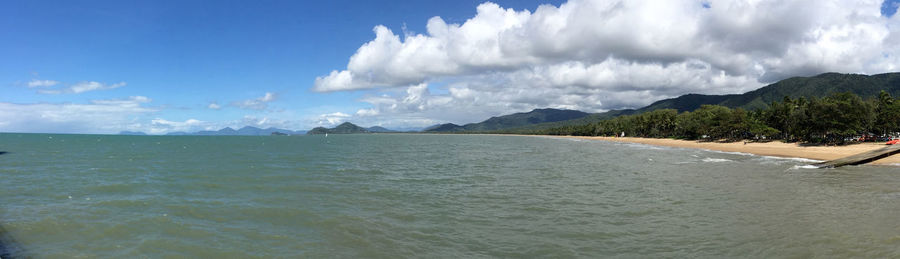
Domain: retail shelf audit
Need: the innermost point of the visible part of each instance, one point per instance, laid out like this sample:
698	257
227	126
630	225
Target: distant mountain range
245	131
254	131
807	87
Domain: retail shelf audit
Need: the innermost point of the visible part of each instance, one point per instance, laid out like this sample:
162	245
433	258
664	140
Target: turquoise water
429	196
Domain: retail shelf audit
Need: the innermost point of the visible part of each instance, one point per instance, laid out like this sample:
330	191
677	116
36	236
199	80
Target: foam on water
716	160
797	167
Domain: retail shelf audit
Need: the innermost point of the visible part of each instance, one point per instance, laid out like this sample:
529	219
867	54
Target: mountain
245	131
512	121
379	129
344	128
446	127
132	133
816	86
593	117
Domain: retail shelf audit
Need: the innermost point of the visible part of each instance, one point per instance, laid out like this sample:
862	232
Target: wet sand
774	148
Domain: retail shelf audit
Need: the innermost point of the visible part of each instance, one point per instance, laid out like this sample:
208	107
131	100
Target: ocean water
429	196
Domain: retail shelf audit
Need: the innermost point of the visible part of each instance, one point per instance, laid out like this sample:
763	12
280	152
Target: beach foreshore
773	148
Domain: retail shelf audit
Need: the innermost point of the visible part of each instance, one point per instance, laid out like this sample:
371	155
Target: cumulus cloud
214	106
260	103
98	116
41	83
76	88
608	54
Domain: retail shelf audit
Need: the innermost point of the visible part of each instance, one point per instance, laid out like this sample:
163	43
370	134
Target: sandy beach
774	148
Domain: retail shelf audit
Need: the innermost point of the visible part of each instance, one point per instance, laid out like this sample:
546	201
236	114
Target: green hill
344	128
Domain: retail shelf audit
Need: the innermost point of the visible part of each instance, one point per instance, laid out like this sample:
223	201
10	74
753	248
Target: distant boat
892	142
326	134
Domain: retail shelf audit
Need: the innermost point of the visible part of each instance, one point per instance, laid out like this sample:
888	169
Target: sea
429	196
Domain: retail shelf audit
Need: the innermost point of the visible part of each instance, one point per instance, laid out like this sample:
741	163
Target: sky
164	66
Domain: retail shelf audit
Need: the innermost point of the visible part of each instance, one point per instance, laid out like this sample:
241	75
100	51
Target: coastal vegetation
834	119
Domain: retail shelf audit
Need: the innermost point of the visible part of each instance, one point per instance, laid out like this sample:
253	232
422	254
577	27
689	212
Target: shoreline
774	148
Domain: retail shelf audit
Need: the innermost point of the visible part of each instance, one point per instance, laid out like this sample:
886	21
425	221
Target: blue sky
163	66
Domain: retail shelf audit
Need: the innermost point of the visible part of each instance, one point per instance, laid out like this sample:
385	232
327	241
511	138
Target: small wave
730	152
798	167
644	146
797	159
716	160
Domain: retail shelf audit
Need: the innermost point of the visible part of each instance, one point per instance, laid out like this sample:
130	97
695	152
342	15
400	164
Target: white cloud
41	83
214	106
260	103
332	119
99	116
161	126
77	88
93	86
597	55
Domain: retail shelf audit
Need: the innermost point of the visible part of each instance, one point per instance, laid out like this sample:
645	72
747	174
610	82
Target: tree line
834	119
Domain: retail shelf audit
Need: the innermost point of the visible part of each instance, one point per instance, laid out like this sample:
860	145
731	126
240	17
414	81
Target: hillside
807	87
515	120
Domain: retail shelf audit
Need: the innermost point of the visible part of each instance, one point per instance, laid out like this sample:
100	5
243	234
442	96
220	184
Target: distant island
132	133
348	128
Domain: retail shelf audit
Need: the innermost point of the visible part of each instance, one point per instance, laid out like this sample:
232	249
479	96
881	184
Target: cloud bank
98	116
596	55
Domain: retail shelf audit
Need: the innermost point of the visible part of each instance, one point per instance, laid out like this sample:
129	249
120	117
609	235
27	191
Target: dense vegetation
833	119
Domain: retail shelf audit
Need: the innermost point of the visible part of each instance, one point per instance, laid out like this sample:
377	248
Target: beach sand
774	148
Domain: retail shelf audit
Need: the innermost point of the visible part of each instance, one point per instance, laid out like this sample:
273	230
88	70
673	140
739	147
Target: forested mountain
818	86
807	87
